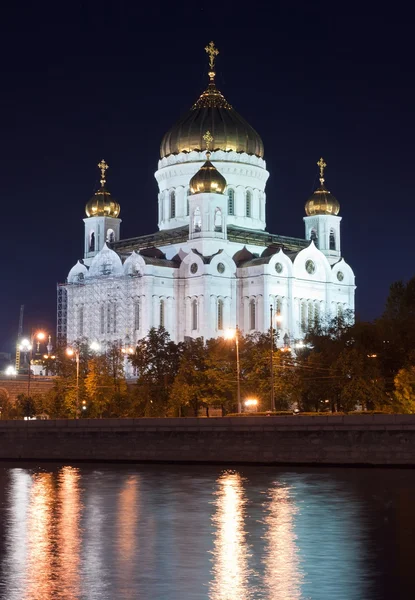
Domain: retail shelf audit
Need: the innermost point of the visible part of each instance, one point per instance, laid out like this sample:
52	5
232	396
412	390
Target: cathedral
211	266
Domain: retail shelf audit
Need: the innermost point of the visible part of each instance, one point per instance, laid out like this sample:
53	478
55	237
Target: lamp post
75	352
278	320
234	334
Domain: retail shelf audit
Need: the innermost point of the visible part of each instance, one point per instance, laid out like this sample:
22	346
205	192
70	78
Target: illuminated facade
211	266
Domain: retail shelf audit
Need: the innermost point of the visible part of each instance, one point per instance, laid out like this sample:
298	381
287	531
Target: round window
310	267
278	267
193	268
221	268
340	276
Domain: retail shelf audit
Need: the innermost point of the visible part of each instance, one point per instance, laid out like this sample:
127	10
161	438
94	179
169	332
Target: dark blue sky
83	81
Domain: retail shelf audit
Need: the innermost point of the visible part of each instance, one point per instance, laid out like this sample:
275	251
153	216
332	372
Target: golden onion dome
207	179
212	111
102	204
322	202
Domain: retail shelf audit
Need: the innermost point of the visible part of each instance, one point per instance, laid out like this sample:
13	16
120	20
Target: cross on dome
212	51
322	166
208	139
103	167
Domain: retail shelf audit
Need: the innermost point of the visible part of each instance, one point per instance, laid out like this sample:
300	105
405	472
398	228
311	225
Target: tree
191	384
405	390
157	362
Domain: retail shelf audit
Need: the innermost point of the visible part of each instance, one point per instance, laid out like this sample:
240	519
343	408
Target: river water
123	532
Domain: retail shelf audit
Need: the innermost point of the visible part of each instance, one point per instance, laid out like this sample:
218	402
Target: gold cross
322	165
208	139
213	52
103	167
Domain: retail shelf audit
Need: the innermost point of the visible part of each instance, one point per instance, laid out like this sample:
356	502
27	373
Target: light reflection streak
282	575
40	558
127	518
230	554
69	537
16	544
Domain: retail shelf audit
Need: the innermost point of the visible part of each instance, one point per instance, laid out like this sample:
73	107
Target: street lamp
278	320
95	346
251	404
75	352
231	334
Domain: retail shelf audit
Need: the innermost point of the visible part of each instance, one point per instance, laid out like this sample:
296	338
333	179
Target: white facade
212	266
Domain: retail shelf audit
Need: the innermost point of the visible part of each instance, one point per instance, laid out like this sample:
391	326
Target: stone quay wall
343	440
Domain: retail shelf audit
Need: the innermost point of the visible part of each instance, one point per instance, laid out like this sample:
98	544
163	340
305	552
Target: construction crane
19	338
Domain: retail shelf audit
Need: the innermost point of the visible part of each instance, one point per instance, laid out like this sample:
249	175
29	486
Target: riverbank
382	440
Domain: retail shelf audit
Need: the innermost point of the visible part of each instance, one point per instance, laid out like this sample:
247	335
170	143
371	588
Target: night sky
82	81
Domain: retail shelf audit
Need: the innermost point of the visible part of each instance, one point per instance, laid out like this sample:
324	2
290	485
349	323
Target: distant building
211	265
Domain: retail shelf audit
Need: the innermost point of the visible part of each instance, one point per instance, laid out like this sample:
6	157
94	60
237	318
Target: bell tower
322	223
102	224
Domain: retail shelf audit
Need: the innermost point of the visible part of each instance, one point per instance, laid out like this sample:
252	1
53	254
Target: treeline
340	367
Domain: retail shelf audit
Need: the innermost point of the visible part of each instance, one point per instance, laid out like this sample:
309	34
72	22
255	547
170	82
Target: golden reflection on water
230	554
127	518
40	558
282	575
69	534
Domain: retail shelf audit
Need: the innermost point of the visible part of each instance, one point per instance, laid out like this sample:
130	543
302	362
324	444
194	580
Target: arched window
316	314
220	315
92	241
187	203
81	320
248	204
114	317
332	240
303	316
231	201
108	318
194	315
161	206
310	320
313	237
110	236
136	315
197	220
218	220
162	319
278	310
252	315
102	319
172	205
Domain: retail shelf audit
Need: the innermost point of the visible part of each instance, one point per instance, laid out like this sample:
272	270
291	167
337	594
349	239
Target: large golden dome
212	111
207	179
322	202
102	204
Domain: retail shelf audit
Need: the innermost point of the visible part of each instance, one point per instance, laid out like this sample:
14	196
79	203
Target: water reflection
230	555
282	577
128	514
41	560
69	532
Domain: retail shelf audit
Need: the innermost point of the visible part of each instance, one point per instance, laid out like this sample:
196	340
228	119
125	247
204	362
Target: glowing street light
231	334
251	404
10	371
75	352
95	346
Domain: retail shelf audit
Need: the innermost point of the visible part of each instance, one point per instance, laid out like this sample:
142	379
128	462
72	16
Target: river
133	532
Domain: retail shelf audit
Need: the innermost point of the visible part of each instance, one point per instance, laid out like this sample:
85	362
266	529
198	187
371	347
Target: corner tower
102	223
322	223
237	151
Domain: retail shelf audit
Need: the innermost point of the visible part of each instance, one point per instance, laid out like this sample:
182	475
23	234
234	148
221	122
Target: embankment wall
352	440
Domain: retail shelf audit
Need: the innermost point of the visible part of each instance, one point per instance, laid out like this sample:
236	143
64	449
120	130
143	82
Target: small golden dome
207	179
102	204
322	202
